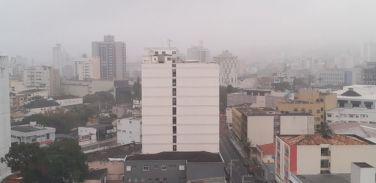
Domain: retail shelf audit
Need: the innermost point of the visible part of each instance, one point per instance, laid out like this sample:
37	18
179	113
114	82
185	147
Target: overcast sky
246	28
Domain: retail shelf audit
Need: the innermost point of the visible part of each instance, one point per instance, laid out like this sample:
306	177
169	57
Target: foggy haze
249	29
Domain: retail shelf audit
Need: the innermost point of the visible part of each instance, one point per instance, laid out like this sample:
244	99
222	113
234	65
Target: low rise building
41	106
259	97
128	130
354	115
67	100
310	101
112	159
307	155
34	92
32	133
353	96
265	160
96	176
95	132
261	125
173	167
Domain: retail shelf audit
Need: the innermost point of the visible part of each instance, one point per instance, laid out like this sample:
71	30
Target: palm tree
247	147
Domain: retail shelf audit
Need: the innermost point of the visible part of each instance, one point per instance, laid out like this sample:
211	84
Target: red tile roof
267	148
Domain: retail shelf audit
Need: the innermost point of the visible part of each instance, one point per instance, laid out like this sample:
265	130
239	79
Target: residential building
16	86
364	130
304	155
33	93
41	106
259	97
57	57
112	57
128	130
369	73
355	96
173	167
247	81
32	133
362	172
228	69
338	77
310	101
121	110
61	59
87	68
198	53
67	100
265	160
354	115
260	125
113	160
179	103
95	132
368	52
96	176
17	116
5	141
43	77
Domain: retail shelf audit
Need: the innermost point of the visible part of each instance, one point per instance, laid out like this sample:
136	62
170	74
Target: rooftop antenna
169	42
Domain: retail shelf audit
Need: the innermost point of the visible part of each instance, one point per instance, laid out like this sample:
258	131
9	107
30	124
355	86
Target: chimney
362	172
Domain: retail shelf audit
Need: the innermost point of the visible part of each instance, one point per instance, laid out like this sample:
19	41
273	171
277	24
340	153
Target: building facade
67	100
346	115
112	57
43	77
317	154
179	102
5	141
128	130
32	133
310	101
198	53
355	96
87	68
228	69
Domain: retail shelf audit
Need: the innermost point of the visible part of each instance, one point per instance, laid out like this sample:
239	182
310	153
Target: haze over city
252	30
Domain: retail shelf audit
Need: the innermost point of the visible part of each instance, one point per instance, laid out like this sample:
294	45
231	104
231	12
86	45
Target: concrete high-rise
112	57
5	141
199	53
368	52
180	103
87	68
228	68
43	77
62	61
57	57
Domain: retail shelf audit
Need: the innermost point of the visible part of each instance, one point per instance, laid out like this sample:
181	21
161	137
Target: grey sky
246	28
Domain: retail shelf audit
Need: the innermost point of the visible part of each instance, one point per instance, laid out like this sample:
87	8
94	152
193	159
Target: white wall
86	135
71	101
128	130
308	159
297	125
261	129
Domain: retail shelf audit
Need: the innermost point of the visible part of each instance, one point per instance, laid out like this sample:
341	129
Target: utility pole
231	168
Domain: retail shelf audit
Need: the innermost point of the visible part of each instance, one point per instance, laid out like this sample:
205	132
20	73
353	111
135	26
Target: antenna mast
169	42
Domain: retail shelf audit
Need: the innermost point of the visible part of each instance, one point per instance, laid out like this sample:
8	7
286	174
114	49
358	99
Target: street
229	152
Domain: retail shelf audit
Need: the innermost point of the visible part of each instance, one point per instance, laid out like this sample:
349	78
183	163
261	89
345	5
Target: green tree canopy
91	98
105	97
60	162
137	89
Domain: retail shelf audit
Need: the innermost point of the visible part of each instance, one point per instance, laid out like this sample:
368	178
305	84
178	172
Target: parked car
250	170
246	165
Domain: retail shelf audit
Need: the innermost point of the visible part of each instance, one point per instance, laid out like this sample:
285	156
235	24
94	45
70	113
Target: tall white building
87	68
43	77
112	57
5	141
199	53
62	61
368	52
128	130
180	103
228	68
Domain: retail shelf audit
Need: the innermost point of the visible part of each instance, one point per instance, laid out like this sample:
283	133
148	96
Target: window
173	52
303	109
173	82
164	167
318	111
329	115
163	52
325	163
164	179
181	167
322	116
278	144
295	109
156	53
150	180
173	65
287	163
174	129
322	109
33	140
146	168
48	136
174	148
174	139
287	151
168	58
174	111
174	120
128	168
156	179
318	119
310	111
173	72
173	101
325	152
174	92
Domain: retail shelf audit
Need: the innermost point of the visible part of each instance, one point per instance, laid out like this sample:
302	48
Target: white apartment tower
228	68
43	77
87	68
112	57
5	141
199	53
180	103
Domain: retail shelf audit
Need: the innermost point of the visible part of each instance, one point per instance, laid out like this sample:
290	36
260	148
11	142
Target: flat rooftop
325	178
195	156
363	165
30	91
27	128
318	139
115	152
255	111
64	97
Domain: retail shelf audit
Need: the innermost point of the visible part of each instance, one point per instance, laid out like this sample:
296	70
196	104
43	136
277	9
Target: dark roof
351	93
363	165
25	128
40	104
96	174
63	97
115	152
196	156
30	91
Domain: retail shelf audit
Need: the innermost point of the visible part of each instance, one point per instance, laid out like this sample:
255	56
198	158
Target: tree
91	98
137	89
247	147
112	115
105	97
60	162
